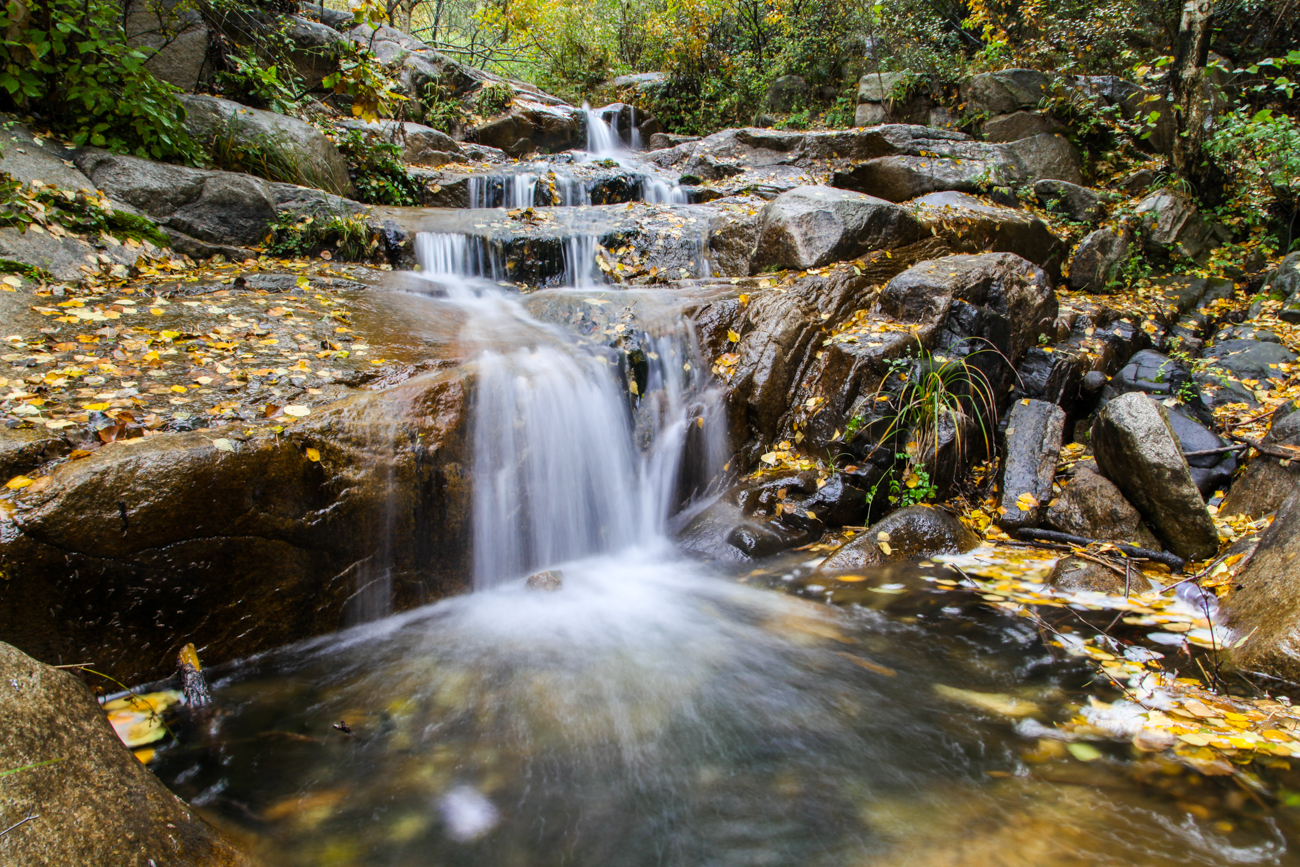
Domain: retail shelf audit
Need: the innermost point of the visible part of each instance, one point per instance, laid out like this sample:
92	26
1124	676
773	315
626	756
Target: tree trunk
1188	88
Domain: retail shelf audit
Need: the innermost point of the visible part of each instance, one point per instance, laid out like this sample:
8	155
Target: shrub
346	236
252	81
377	170
68	63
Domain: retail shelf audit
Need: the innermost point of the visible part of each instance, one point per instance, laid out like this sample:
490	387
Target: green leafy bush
344	236
67	62
251	81
377	170
493	98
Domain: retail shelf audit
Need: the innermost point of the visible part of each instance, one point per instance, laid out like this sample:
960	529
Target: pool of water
655	712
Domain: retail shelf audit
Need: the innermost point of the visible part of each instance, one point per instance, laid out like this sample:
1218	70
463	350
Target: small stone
549	581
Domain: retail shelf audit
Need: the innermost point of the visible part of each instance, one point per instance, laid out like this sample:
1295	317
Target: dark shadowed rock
1004	91
1286	283
1018	125
1137	450
1070	200
813	226
1174	226
1150	372
1004	283
971	225
787	93
314	159
913	533
1210	472
1090	505
1257	360
1033	443
1265	611
95	802
527	126
1266	483
22	450
1099	259
313	53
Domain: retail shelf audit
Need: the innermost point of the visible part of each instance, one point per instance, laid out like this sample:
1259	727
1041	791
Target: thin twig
30	816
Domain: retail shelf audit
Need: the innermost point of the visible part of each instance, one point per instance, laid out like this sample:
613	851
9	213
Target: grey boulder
971	225
1090	505
913	533
1033	443
1137	450
813	226
1099	260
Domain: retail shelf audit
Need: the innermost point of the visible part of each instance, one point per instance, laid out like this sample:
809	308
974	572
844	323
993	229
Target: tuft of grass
348	237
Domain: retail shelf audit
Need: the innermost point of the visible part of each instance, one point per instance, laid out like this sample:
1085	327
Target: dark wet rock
1099	260
1139	182
241	544
732	241
1090	505
1137	450
1150	372
787	93
1245	361
813	226
1286	284
1005	91
1007	285
970	225
1048	156
1033	443
95	802
1054	376
1070	200
1210	472
1174	226
1018	125
841	501
760	496
913	533
1265	609
314	158
24	449
1245	331
548	581
421	145
529	126
758	539
1071	573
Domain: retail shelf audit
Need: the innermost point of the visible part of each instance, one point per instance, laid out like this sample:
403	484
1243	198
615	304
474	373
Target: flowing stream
656	710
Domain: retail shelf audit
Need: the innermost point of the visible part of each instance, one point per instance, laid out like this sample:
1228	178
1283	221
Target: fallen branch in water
1173	561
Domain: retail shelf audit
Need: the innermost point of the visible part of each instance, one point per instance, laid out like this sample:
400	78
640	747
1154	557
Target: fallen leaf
297	411
313	455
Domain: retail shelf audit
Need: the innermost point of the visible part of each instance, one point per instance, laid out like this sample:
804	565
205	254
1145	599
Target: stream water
656	710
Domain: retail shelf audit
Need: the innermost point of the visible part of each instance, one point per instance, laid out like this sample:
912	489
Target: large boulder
529	126
813	226
1003	284
1286	284
1264	612
36	158
1174	226
1090	505
1048	156
67	258
1004	91
902	177
1211	470
1072	201
313	53
1018	125
1099	260
91	801
1268	480
913	533
1033	443
175	38
1137	450
237	545
971	225
300	152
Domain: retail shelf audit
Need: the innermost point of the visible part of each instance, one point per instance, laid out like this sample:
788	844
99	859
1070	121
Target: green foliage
269	156
360	75
344	236
22	269
493	98
1260	152
915	487
377	170
441	109
67	62
251	81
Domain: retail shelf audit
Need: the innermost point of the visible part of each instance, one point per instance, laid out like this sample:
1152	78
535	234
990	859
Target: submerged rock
91	800
1138	451
913	533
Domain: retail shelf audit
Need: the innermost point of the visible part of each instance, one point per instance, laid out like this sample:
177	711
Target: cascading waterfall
559	474
452	255
502	191
602	136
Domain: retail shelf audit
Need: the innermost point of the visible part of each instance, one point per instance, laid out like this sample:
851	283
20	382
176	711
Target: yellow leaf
733	336
769	458
179	389
96	407
156	311
313	455
170	335
297	411
18	483
1026	502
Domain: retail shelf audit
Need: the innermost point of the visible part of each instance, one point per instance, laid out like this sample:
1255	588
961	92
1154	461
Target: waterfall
572	192
660	192
502	191
448	255
602	137
571	456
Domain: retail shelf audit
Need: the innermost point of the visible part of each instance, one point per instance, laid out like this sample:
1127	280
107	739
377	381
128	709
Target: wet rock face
1266	608
1137	450
970	225
1034	432
1098	259
529	126
1075	574
913	533
95	802
1004	91
813	226
1175	227
314	157
1071	200
1210	472
1090	505
242	546
1266	483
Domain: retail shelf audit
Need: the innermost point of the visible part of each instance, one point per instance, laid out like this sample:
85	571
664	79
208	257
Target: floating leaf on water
297	411
1084	752
992	702
313	455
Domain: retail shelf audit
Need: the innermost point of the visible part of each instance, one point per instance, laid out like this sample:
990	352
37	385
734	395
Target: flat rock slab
95	803
1137	450
1033	444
